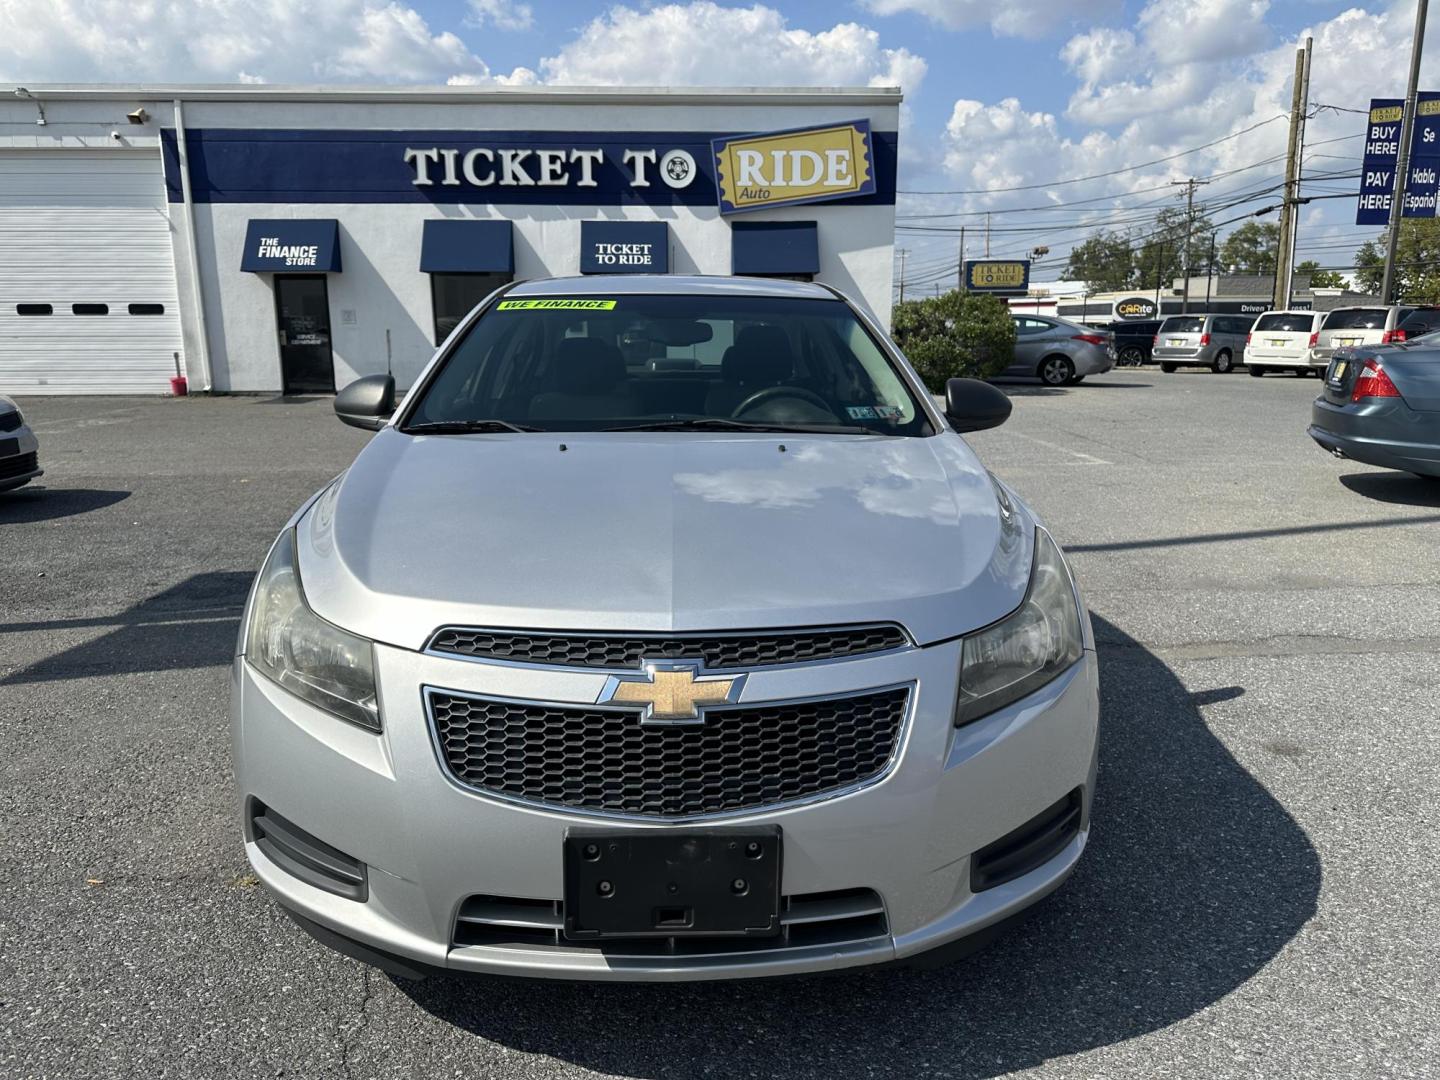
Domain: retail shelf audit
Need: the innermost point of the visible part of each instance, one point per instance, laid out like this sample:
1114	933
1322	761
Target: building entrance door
302	315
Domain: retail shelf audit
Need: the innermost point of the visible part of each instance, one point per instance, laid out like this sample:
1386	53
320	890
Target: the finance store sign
1382	157
558	168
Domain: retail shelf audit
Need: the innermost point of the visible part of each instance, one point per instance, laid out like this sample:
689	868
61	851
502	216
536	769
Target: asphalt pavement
1259	899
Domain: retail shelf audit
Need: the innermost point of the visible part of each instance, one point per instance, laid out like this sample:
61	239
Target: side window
1030	326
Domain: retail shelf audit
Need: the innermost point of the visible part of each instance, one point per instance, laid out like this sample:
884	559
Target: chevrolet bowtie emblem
672	693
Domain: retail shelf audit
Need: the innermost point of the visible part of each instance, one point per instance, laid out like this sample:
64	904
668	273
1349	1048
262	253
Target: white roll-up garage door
87	276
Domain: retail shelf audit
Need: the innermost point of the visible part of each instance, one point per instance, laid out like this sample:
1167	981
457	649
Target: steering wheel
771	393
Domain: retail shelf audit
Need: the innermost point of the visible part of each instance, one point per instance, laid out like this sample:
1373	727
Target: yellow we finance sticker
556	305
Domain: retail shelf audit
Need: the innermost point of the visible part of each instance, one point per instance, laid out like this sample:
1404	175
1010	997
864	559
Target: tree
1104	262
1162	249
1417	262
1251	248
958	335
1320	279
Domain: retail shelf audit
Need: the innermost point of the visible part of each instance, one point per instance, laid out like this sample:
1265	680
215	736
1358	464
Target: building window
147	309
34	309
90	309
454	295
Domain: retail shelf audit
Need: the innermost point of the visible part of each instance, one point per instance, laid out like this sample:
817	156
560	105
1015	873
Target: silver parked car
19	448
667	631
1059	353
1213	341
1376	324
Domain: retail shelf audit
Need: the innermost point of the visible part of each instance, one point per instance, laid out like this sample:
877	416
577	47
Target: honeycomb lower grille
716	651
741	757
19	465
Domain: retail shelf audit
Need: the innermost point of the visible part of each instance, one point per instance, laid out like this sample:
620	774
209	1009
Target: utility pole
1402	166
960	270
1290	209
902	252
1299	173
987	234
1189	186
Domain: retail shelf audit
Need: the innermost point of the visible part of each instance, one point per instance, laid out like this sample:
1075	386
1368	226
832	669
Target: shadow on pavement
190	625
1195	878
1395	487
31	504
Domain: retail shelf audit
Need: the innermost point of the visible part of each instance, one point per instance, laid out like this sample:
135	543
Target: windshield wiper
465	427
720	423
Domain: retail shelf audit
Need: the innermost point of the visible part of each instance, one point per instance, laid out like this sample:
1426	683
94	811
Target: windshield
1356	319
1284	322
1183	325
592	364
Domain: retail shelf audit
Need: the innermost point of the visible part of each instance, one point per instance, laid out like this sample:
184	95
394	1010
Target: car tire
1302	371
1056	370
1223	363
1131	356
1256	371
1168	369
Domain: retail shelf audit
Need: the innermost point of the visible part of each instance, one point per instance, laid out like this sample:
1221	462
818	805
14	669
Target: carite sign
1135	308
787	168
531	168
997	276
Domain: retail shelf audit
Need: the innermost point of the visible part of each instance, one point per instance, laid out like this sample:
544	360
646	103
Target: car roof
1291	311
669	285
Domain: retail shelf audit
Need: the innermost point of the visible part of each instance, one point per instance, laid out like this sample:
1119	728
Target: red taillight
1314	339
1248	337
1155	341
1373	382
1089	339
1204	339
1392	336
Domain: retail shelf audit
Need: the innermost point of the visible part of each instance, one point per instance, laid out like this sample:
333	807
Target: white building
294	238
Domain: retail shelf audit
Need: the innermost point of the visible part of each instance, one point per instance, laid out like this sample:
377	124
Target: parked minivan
1284	340
1213	341
1374	324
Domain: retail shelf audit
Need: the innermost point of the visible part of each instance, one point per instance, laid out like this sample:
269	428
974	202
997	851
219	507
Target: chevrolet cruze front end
667	631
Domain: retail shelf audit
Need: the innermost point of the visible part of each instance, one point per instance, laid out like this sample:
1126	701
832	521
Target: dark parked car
1134	341
1381	405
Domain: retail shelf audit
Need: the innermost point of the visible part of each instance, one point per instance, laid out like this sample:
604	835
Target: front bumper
1381	432
428	844
22	466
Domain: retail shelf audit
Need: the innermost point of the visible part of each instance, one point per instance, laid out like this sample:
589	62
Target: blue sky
1001	94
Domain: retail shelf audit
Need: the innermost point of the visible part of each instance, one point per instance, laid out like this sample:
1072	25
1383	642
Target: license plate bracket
672	884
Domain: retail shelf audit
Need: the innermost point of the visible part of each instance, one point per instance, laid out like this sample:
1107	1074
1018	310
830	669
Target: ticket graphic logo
786	168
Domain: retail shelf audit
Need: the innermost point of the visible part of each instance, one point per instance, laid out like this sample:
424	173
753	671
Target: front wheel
1223	364
1256	372
1302	371
1131	356
1168	369
1056	370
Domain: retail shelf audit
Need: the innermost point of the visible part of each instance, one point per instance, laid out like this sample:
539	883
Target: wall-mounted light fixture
21	92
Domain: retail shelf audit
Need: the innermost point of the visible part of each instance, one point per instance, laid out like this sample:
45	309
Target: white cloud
502	14
222	41
704	44
1016	18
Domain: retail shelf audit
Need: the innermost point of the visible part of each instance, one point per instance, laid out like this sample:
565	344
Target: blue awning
774	247
624	247
466	246
291	246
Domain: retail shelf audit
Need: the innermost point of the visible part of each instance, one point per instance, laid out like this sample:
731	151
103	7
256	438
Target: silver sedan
1059	353
19	448
666	631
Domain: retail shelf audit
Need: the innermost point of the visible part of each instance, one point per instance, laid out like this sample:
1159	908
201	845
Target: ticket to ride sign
997	276
786	168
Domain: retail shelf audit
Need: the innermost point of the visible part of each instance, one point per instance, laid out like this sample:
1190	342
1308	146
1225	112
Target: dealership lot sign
554	168
1382	157
786	168
1002	276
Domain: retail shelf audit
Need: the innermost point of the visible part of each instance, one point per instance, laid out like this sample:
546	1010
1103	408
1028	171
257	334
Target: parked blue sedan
1381	405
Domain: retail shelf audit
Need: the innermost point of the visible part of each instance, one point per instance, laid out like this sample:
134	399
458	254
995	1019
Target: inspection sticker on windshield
873	412
553	305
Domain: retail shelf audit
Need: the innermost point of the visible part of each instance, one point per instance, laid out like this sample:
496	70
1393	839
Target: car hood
662	532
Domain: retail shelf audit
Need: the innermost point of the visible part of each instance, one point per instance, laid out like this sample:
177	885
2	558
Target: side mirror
972	405
367	403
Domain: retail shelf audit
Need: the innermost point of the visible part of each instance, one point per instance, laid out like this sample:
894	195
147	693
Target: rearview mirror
367	403
972	405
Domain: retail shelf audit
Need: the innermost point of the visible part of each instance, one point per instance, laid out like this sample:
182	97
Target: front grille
19	465
808	919
716	651
739	758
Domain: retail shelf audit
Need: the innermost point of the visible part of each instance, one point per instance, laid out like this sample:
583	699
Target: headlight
1029	647
287	642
